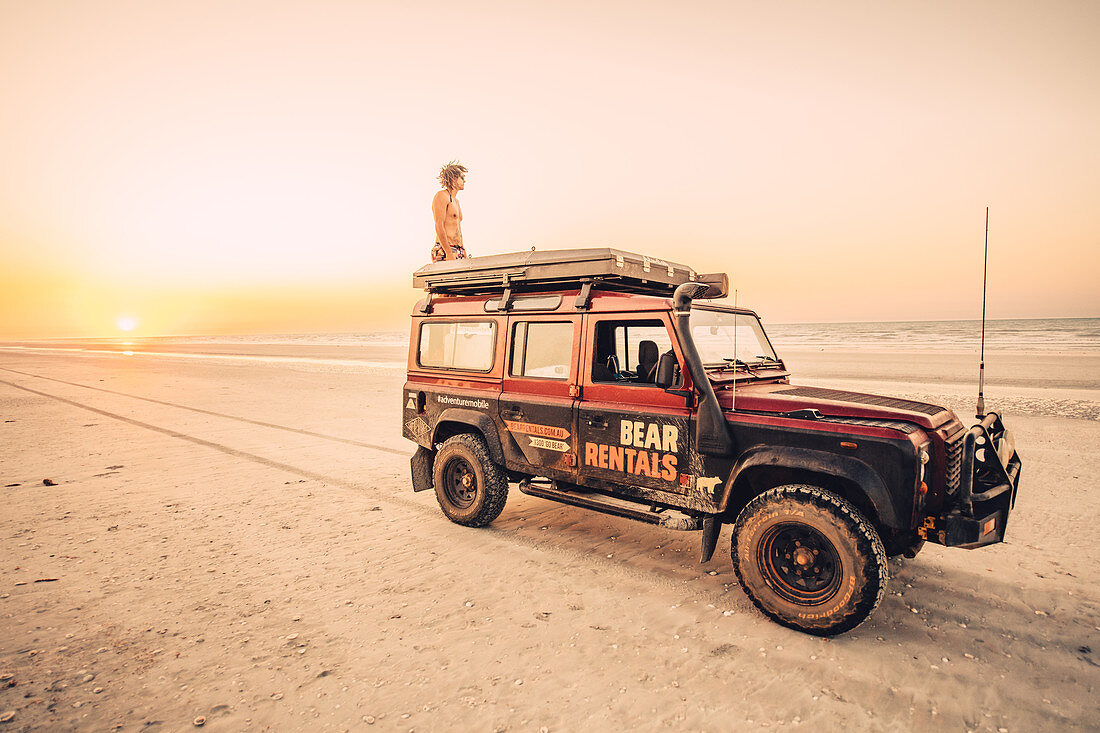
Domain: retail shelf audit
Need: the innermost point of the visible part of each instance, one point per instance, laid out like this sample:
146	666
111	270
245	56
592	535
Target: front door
537	404
632	432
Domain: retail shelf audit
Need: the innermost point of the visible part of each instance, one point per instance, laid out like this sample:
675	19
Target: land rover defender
615	382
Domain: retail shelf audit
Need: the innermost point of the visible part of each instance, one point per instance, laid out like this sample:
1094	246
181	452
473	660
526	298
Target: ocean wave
1024	334
1031	334
249	358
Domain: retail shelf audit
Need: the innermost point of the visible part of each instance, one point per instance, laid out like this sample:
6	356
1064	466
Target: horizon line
124	337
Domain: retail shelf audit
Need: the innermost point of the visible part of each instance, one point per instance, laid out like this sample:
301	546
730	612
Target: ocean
1078	335
1027	358
1021	334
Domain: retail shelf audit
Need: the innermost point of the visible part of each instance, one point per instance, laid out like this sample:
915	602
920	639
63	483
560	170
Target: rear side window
542	349
457	345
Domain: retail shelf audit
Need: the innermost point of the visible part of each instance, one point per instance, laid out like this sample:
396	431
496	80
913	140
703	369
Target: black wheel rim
459	483
799	563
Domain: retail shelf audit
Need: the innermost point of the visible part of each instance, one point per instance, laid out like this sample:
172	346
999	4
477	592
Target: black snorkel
711	434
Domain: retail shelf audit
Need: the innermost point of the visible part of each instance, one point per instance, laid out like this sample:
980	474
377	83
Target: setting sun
125	323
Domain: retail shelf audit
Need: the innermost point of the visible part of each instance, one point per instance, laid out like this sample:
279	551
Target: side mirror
668	371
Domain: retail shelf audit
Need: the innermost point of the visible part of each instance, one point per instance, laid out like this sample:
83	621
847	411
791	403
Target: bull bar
987	490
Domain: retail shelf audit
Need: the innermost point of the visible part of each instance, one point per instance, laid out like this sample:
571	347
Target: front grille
953	451
819	393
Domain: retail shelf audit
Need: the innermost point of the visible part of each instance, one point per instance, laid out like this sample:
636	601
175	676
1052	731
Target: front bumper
978	514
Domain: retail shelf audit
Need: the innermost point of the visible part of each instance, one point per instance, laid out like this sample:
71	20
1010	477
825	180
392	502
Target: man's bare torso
452	217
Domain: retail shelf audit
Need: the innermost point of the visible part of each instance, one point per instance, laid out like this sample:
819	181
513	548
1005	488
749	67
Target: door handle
596	421
512	413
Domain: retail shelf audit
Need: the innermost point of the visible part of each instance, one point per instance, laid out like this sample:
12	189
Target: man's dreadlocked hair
450	173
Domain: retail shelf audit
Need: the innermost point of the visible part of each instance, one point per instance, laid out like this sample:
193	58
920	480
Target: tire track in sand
508	536
261	423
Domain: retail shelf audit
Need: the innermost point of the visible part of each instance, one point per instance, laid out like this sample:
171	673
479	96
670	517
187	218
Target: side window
627	351
541	349
457	345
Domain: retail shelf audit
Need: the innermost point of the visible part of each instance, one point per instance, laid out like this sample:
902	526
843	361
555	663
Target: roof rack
605	268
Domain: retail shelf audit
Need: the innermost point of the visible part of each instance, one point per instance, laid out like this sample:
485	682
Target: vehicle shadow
940	590
1006	624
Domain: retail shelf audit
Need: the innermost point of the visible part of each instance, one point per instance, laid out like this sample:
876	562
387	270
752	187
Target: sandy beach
234	542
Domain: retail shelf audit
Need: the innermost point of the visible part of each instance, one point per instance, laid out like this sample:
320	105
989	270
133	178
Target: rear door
537	404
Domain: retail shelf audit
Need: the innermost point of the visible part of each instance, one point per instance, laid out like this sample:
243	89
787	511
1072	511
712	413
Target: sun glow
221	175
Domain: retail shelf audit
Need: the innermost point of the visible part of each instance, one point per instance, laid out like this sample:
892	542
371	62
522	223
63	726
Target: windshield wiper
735	362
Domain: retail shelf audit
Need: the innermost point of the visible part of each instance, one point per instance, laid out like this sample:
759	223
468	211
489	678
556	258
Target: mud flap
421	464
712	527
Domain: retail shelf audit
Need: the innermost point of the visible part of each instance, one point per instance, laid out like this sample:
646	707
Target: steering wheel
619	375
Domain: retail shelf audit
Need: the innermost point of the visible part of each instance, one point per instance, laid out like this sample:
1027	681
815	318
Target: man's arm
439	213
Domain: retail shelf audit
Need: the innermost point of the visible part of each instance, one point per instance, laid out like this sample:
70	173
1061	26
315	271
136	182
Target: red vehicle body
623	400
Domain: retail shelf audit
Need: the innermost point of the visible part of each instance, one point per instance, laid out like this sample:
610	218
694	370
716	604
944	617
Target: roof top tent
534	271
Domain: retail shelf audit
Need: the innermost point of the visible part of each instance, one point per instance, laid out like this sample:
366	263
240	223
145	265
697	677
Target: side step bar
669	518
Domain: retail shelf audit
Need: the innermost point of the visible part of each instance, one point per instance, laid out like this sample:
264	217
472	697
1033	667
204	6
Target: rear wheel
470	488
809	559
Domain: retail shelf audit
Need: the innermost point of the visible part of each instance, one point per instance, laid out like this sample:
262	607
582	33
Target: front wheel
470	488
809	559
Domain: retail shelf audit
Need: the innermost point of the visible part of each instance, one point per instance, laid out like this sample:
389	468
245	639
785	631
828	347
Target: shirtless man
448	214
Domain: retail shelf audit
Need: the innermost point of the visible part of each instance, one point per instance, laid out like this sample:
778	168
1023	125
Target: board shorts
439	254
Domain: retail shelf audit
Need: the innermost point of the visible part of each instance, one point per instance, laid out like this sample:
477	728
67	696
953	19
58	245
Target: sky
208	167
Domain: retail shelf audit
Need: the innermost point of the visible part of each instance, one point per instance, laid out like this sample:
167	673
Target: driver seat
647	361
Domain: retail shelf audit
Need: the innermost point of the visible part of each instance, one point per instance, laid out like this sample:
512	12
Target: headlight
924	457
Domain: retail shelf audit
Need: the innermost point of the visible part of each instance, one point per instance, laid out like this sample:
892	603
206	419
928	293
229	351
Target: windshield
716	332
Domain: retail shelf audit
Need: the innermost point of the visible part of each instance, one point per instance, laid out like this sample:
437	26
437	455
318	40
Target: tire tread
875	570
496	480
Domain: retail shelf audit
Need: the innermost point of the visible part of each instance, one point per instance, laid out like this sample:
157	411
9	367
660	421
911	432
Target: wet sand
237	540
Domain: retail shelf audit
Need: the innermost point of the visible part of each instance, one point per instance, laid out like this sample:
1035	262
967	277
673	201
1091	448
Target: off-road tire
470	488
809	559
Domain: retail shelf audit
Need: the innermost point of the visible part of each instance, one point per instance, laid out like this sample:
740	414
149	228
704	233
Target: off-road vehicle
613	382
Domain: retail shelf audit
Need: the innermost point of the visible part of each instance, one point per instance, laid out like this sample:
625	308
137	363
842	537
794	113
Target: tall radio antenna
733	398
981	365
